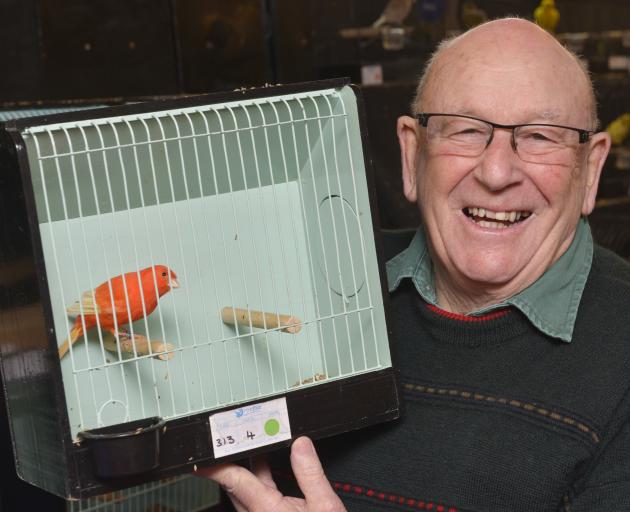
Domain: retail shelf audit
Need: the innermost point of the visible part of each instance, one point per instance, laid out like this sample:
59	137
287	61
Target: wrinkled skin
508	72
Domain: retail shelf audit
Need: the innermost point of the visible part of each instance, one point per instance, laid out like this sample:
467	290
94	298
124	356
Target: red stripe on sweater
383	496
465	318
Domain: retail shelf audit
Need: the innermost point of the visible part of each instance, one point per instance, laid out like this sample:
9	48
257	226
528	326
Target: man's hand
257	492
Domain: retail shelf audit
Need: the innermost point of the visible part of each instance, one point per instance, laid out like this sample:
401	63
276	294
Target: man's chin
491	273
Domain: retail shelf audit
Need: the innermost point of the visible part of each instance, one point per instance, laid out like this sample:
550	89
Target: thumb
310	476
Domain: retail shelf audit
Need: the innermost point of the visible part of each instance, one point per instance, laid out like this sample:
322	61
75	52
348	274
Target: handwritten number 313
225	440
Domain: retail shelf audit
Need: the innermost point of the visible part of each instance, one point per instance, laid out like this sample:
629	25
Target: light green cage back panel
260	205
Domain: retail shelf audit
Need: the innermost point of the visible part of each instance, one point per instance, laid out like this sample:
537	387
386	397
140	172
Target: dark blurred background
59	51
63	53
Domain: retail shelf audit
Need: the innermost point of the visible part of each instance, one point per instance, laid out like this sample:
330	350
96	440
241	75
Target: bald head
505	46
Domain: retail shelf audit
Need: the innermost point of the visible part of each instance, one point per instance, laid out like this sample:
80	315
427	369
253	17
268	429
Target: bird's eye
163	274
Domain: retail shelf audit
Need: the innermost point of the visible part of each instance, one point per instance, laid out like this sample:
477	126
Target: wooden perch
360	32
367	32
261	320
159	349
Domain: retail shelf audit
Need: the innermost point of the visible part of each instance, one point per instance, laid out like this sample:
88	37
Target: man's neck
458	294
465	296
454	300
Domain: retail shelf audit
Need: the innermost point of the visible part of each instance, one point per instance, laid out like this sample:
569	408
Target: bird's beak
174	283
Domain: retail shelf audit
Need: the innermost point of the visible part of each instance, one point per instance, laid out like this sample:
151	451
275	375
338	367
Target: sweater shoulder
601	339
611	273
606	298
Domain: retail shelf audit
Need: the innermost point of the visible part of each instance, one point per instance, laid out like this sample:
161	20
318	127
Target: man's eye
548	135
539	136
470	132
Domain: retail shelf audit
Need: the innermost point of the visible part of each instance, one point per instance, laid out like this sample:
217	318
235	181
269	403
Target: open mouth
495	220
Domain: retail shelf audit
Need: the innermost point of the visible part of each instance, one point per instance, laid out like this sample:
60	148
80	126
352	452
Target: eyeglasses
461	135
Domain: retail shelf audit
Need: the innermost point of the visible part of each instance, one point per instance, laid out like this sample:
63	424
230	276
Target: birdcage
176	494
189	281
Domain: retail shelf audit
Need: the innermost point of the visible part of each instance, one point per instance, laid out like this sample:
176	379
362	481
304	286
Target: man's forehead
505	36
513	55
544	85
507	44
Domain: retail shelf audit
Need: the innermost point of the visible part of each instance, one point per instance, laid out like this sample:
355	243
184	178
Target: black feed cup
125	449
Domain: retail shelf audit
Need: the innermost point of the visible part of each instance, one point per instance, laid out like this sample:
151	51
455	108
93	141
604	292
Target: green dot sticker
272	427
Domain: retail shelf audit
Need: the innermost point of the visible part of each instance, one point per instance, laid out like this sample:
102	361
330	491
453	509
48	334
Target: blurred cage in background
7	115
179	494
202	253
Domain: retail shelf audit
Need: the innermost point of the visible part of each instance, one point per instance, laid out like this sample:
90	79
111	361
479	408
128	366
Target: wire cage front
201	255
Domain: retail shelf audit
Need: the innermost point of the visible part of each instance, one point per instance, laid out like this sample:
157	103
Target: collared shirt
550	303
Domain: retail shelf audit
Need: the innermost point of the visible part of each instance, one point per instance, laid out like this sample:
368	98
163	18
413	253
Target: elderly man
511	328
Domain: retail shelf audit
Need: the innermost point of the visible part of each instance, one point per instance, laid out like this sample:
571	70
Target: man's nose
499	164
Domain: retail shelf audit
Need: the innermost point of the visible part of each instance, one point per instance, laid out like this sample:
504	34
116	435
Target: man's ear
408	137
598	151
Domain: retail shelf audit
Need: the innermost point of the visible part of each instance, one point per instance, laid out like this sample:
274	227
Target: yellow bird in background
619	129
546	15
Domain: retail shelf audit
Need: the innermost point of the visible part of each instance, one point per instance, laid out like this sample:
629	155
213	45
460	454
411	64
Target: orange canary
111	310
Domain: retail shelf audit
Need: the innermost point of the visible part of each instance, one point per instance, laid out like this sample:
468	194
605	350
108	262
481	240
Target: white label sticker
249	427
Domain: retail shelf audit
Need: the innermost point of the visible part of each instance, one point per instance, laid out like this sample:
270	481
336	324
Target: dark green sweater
499	417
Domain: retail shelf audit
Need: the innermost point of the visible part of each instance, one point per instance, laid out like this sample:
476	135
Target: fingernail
304	446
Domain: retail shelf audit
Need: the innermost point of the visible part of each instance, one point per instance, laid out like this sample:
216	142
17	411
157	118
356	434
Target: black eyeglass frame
423	119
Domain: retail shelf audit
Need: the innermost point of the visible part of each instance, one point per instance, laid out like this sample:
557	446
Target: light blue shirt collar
550	303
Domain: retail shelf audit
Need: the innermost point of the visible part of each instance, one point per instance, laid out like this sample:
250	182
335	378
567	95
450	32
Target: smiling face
494	222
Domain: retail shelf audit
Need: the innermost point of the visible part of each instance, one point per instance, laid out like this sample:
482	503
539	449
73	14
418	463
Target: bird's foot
122	334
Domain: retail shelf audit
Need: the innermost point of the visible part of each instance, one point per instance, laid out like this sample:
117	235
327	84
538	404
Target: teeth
493	225
511	216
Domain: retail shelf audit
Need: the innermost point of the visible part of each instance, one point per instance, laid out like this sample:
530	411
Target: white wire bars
259	211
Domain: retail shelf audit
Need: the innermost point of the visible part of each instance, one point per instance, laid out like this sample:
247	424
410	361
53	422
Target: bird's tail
75	332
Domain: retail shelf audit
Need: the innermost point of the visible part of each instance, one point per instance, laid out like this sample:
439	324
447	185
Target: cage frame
317	411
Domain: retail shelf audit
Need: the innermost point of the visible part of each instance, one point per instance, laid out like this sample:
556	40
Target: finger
242	486
208	473
261	469
238	506
311	478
